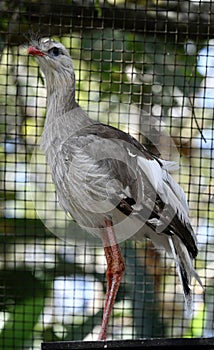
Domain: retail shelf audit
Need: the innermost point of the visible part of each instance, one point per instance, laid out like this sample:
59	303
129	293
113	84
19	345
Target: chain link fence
146	67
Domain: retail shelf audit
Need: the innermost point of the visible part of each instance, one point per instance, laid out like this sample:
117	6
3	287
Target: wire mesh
139	66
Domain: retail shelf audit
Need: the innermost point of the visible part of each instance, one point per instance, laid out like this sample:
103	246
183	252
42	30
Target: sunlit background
144	79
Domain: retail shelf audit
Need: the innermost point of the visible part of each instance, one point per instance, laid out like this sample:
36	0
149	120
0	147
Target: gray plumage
101	172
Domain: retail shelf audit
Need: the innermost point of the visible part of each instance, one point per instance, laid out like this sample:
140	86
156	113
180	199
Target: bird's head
54	60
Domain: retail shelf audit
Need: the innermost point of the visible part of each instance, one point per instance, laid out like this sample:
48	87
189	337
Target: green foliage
19	327
197	325
115	70
110	54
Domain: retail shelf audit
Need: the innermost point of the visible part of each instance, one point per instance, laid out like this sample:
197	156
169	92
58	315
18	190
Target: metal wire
141	67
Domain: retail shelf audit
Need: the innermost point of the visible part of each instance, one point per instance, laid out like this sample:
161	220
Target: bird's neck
60	93
60	102
63	115
64	118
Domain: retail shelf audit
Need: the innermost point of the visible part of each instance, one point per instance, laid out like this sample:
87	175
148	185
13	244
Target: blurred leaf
7	195
148	322
98	7
81	331
197	324
19	285
20	325
28	228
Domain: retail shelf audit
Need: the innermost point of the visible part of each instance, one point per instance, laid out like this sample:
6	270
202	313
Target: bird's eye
55	51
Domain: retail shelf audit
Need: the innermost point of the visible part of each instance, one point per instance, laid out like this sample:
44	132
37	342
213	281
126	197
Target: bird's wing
107	171
143	179
169	214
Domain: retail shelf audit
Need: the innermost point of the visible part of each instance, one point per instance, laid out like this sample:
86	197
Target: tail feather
185	269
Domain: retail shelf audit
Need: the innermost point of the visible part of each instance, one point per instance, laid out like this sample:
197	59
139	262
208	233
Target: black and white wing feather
159	201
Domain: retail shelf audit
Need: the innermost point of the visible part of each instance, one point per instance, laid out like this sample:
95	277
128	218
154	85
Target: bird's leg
114	273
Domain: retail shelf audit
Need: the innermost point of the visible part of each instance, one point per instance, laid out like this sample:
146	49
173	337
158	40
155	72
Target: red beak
35	52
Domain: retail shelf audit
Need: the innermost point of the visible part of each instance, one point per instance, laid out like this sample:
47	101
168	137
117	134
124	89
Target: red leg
114	273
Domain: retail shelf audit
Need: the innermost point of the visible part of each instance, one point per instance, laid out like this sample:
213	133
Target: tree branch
176	21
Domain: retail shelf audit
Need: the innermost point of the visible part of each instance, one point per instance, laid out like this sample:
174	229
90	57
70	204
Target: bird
112	185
